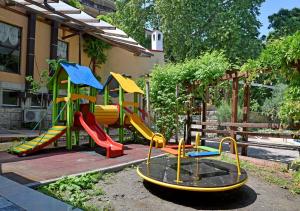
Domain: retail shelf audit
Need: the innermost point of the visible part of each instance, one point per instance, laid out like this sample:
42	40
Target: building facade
23	54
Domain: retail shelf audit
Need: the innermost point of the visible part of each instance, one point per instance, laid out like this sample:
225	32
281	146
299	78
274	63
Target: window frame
11	105
68	45
20	47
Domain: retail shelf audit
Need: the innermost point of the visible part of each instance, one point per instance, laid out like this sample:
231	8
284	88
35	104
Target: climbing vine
164	80
280	61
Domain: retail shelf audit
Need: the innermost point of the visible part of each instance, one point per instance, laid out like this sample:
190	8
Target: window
62	50
36	100
10	48
153	37
159	37
10	98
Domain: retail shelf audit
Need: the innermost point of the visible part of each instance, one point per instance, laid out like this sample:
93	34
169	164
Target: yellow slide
140	126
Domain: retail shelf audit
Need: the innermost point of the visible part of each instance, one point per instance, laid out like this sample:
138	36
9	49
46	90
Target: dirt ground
126	191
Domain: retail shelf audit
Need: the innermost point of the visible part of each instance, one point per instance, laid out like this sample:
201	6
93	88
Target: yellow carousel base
202	175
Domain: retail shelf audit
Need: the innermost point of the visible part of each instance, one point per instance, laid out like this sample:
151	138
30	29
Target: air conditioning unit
33	115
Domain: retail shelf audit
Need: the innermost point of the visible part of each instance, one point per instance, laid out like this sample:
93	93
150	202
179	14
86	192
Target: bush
224	112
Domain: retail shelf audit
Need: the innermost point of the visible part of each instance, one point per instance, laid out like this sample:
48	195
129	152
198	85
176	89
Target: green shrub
224	112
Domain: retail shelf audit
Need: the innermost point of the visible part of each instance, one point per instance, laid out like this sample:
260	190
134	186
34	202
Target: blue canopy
81	75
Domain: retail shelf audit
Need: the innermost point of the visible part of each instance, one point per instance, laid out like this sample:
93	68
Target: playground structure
121	116
70	115
187	171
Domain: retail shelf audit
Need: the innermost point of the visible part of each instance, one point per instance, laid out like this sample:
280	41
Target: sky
270	7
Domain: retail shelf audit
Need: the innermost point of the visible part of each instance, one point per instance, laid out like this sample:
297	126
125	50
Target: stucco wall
122	61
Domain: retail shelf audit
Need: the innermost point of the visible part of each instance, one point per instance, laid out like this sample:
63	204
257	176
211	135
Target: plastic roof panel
82	21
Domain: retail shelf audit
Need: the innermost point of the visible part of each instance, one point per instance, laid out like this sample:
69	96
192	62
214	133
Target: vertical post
79	53
69	115
93	92
106	96
234	107
203	119
177	95
30	47
246	109
54	104
148	100
121	128
77	109
135	103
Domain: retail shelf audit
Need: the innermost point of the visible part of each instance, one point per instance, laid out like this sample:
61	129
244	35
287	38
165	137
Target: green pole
135	110
106	95
54	104
77	109
93	92
135	101
121	128
69	115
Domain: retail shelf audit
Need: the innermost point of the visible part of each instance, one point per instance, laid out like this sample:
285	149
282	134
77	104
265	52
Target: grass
279	176
77	191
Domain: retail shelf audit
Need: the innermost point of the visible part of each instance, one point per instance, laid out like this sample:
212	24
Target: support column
77	109
106	97
54	104
148	100
54	40
234	107
203	116
246	110
121	127
30	47
69	115
93	92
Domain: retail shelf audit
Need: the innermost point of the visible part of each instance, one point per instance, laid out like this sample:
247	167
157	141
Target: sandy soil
126	191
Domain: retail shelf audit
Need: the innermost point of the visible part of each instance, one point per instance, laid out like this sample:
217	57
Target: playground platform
50	164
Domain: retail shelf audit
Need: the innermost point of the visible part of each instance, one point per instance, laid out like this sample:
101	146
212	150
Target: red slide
113	149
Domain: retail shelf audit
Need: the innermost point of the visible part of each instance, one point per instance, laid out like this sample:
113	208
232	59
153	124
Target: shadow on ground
233	199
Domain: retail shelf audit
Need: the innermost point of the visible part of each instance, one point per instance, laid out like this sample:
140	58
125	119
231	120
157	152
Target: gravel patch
125	190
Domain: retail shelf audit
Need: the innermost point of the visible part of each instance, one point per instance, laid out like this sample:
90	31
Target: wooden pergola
234	76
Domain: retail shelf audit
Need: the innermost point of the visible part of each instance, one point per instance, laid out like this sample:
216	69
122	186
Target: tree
132	17
285	22
191	27
95	49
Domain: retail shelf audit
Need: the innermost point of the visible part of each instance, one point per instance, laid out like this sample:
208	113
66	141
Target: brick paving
50	164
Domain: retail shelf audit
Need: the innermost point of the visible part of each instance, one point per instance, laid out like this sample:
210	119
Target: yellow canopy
127	84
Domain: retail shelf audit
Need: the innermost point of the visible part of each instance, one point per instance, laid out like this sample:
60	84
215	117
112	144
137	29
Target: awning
76	19
81	75
128	85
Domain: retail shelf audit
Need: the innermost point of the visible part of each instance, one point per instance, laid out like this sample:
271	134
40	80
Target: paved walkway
16	197
49	164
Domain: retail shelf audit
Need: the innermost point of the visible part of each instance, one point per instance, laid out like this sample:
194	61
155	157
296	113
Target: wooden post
246	110
177	95
234	107
121	128
204	111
